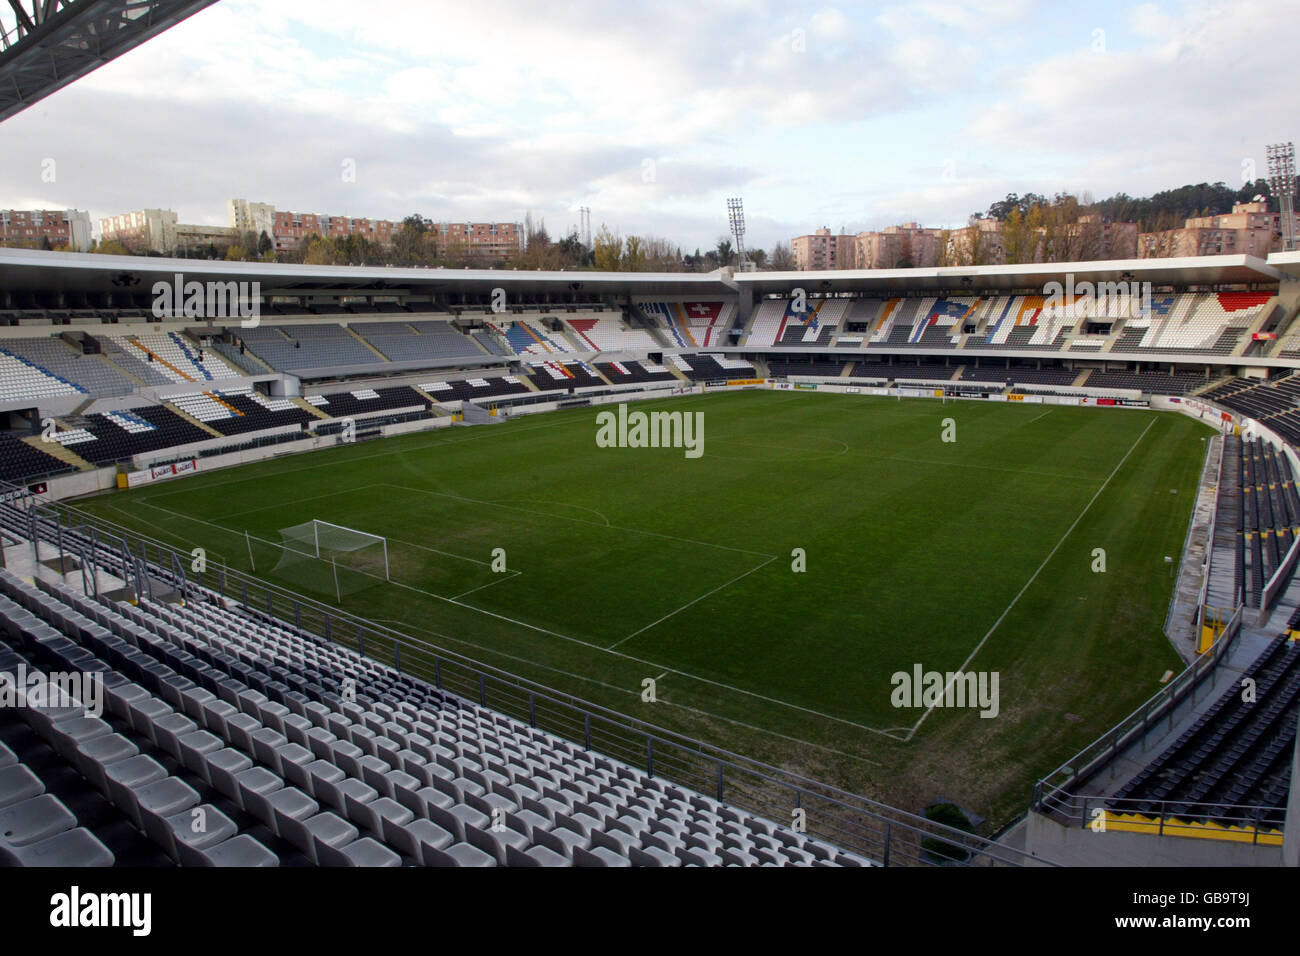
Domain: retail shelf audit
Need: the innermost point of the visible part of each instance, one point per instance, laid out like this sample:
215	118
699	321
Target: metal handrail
1053	789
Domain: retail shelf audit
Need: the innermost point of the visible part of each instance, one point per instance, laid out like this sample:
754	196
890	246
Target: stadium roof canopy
43	271
47	44
1202	270
1288	262
37	271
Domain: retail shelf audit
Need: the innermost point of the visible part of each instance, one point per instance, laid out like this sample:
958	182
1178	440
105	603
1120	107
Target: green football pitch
772	586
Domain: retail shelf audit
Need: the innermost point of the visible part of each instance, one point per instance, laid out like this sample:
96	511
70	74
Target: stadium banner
880	391
806	386
852	390
748	381
783	386
1015	397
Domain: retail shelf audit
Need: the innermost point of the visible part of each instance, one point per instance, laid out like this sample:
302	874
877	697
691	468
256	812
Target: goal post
332	559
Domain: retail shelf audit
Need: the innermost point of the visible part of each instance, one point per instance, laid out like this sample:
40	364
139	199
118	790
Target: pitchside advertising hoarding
161	473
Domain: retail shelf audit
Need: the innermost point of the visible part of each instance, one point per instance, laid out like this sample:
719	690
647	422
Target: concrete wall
1079	846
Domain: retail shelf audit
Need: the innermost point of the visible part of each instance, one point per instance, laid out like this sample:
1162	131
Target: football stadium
653	569
980	566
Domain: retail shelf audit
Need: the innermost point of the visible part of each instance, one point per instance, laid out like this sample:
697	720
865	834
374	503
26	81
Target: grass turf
624	564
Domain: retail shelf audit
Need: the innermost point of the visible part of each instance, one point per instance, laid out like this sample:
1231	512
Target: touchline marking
696	601
1034	576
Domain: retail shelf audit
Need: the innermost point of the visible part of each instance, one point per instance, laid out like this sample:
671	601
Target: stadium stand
474	388
609	334
121	435
290	347
210	707
364	401
816	327
1157	383
1235	754
176	359
490	341
1018	375
20	378
692	324
621	373
136	365
1270	513
1275	403
530	337
20	461
706	368
241	410
781	366
416	341
548	376
55	358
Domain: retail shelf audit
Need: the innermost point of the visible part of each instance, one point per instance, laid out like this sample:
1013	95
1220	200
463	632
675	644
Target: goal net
331	559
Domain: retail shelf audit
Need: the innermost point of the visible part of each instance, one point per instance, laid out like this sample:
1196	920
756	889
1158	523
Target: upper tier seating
692	324
56	358
134	362
290	347
177	359
417	341
22	380
609	334
530	336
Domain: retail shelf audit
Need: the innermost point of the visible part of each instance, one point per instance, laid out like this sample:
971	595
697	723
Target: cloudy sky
851	116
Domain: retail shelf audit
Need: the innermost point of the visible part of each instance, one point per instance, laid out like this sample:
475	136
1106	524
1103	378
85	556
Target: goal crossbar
339	542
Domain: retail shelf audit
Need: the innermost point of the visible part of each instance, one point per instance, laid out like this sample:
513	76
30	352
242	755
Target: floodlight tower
736	216
1281	182
584	225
